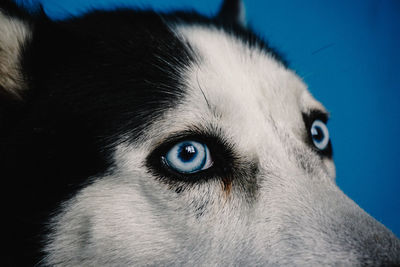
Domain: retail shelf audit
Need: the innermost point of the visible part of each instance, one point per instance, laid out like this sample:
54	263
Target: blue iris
188	157
320	134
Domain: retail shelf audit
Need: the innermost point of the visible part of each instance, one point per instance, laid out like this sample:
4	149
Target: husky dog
138	138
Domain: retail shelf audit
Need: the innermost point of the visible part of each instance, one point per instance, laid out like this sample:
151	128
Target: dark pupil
187	153
318	135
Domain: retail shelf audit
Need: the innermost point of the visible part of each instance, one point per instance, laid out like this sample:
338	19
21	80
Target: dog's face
190	141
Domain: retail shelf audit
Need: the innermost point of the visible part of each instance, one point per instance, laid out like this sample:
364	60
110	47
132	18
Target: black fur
91	81
230	11
10	8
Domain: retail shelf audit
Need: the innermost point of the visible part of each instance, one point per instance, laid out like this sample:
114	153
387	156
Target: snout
370	242
323	227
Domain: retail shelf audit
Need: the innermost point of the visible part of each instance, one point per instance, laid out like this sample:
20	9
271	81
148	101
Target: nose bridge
372	242
319	219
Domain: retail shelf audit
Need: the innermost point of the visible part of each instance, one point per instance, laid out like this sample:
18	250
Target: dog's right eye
188	157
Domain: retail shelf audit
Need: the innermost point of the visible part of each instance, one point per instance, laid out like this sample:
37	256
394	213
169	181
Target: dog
133	137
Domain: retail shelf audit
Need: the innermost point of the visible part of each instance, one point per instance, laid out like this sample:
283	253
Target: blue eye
319	134
189	157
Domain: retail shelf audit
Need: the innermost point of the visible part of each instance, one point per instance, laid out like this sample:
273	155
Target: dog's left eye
188	157
319	135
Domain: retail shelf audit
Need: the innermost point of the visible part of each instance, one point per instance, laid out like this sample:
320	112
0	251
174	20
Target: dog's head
133	137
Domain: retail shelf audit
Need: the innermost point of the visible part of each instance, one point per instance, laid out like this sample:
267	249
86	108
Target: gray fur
14	33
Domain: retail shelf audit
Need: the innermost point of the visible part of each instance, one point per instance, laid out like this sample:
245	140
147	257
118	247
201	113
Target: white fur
13	34
297	217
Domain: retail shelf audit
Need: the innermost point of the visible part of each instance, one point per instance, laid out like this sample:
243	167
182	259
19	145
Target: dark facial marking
89	84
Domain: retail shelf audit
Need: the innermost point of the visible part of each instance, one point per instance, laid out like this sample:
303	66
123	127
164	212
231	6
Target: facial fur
85	149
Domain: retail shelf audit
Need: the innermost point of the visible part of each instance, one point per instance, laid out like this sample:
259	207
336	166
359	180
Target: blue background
348	53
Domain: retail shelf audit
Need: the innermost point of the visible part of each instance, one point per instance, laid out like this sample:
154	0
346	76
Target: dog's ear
232	12
15	31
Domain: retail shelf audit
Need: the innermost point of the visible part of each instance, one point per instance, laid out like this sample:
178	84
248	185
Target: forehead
235	80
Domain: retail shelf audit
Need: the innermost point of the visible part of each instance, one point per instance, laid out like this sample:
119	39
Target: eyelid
167	143
177	137
318	114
